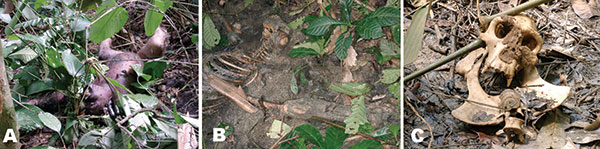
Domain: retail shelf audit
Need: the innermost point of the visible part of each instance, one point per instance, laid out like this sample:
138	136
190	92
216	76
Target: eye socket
502	29
529	41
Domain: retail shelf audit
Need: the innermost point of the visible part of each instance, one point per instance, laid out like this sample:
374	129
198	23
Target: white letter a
10	135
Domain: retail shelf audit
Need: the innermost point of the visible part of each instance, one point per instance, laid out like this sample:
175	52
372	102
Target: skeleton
512	44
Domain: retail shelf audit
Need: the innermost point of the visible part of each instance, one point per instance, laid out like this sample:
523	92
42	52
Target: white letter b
218	134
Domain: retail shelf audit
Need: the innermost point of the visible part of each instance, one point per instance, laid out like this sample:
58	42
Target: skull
512	44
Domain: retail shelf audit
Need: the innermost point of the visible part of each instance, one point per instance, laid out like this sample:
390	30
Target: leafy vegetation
47	52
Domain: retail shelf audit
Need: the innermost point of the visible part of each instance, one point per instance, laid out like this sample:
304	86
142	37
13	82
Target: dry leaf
350	60
347	75
585	10
552	134
336	33
570	144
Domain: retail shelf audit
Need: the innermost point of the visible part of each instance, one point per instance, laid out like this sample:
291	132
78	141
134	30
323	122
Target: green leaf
294	24
117	84
395	129
389	49
138	70
168	128
391	75
53	58
32	38
28	120
294	143
108	25
321	25
341	46
414	35
153	17
38	86
366	128
155	68
50	121
277	129
334	137
386	16
227	127
311	134
395	89
248	2
303	79
25	55
396	34
350	88
367	144
358	115
146	100
195	122
346	10
178	119
79	23
369	29
302	52
210	34
195	38
39	3
72	64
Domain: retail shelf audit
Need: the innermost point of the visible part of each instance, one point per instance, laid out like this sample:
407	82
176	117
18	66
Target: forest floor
569	56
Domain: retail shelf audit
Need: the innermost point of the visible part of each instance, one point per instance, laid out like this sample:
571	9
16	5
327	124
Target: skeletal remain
512	44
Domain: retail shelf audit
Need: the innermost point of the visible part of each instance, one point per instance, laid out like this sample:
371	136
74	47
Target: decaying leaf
335	35
585	10
350	60
347	75
552	134
278	129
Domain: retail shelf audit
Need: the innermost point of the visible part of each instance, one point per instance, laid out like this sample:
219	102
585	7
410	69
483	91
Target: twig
283	136
424	121
588	94
133	114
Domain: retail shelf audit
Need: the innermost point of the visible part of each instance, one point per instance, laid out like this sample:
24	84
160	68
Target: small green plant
368	27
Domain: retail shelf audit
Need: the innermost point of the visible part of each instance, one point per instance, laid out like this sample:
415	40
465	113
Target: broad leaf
346	10
414	35
72	64
227	127
395	89
108	25
168	128
50	121
294	24
248	2
25	55
153	17
391	75
117	84
369	29
358	115
210	34
367	144
386	16
140	72
155	68
395	129
350	88
389	49
38	86
334	137
294	84
146	100
302	52
28	120
321	25
311	134
341	46
278	129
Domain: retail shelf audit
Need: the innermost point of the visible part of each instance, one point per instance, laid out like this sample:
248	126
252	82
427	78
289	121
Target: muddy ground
454	24
273	81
